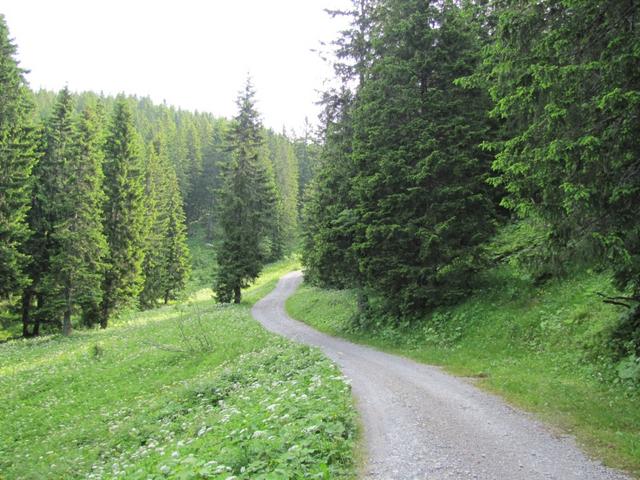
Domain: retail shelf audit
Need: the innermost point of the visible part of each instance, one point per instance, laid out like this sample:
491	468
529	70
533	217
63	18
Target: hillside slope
195	390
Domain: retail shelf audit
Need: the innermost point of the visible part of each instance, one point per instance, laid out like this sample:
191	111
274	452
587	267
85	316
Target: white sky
193	54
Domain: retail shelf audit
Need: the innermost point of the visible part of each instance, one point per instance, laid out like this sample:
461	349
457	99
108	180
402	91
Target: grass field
194	390
536	346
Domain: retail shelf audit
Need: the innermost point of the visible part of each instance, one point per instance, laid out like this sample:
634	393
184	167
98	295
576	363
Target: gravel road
420	423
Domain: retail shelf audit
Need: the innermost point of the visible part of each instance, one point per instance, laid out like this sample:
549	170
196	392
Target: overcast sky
193	54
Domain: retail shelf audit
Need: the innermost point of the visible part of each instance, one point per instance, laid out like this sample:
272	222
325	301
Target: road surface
421	423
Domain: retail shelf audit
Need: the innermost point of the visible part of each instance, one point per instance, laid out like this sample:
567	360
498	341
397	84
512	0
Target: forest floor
191	390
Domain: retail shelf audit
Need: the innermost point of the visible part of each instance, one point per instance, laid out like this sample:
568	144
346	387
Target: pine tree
246	202
89	238
17	158
67	246
422	203
195	168
565	78
166	263
74	200
307	151
46	213
282	172
400	204
124	220
176	260
328	216
156	221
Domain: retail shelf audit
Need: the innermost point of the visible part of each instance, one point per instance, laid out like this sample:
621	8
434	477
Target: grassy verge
534	346
193	390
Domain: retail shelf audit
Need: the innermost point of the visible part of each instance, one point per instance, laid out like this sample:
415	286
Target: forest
459	121
99	194
470	199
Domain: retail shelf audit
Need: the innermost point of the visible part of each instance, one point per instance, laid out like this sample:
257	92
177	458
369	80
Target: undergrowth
548	347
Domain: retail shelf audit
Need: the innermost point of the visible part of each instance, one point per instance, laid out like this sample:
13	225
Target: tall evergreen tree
46	212
166	262
17	158
67	246
156	221
282	170
88	238
123	213
422	202
565	77
246	202
328	216
307	151
78	245
400	203
176	264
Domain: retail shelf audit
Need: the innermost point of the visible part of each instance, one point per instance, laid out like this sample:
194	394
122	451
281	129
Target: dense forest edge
476	201
103	197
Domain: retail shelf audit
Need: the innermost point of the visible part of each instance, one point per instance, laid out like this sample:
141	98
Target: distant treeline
97	192
456	117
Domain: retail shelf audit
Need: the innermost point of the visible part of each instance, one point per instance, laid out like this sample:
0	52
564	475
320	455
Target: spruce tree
166	263
90	243
246	201
176	260
17	158
124	222
421	196
400	205
565	78
46	213
328	216
156	221
73	204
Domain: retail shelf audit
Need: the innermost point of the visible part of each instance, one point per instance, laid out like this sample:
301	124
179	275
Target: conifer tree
176	260
166	263
565	78
49	185
17	158
246	202
307	151
123	213
90	243
421	196
400	204
67	246
156	221
73	204
328	216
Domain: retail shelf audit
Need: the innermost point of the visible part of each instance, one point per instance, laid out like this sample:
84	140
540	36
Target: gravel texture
420	423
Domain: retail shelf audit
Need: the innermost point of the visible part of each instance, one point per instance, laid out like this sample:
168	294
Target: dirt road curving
420	423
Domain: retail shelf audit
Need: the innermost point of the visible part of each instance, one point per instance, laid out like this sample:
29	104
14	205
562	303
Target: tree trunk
27	295
237	294
36	320
104	315
66	321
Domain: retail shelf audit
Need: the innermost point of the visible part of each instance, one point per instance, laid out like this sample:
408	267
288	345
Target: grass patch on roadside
193	390
533	345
